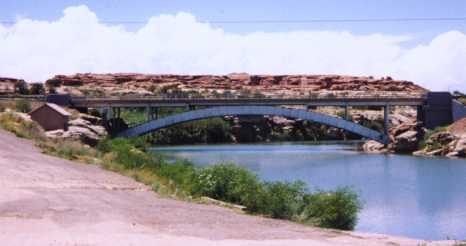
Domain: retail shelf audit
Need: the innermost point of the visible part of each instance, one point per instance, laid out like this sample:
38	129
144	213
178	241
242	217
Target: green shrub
182	173
229	183
225	182
23	105
36	89
126	153
337	209
282	200
423	142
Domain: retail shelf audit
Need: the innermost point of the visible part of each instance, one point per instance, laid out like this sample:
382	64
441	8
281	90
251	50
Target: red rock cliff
124	83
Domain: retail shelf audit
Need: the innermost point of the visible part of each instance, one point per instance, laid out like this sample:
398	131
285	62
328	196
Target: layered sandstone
225	85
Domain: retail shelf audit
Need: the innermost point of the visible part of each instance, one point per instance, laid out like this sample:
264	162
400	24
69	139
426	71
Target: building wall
459	110
50	119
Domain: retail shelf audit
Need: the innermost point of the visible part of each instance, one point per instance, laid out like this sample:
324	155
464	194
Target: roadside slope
45	200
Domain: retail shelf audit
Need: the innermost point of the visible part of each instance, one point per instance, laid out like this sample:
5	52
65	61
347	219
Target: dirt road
49	201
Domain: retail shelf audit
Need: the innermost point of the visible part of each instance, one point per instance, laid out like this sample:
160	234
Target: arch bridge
202	108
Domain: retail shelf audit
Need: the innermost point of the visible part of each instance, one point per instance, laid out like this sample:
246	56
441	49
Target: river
403	195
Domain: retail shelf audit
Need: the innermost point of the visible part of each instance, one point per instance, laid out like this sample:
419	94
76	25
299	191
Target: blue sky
51	37
124	10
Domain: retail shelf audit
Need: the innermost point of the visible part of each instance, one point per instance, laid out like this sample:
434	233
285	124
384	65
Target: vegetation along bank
225	181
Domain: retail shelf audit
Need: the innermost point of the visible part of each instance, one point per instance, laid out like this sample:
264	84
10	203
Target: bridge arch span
221	111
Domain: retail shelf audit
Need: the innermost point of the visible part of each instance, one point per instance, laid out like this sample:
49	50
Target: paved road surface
49	201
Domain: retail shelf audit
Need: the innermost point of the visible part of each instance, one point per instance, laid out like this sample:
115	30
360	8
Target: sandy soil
49	201
459	127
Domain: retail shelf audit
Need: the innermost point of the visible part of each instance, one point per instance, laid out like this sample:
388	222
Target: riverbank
400	192
225	181
76	152
48	200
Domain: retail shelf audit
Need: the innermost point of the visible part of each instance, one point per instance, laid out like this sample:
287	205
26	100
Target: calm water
403	195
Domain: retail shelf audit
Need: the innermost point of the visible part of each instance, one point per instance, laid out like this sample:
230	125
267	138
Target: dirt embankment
49	201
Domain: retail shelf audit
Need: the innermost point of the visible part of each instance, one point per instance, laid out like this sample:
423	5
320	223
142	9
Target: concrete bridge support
386	120
437	110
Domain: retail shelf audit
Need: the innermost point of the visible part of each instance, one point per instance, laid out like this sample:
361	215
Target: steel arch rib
252	110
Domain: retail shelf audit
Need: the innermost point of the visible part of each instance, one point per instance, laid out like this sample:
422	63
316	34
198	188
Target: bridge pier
346	112
152	113
386	122
116	112
190	107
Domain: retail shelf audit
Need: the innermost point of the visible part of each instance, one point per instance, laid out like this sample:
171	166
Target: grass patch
21	128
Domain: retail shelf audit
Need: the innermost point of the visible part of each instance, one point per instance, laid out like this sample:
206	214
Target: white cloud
37	50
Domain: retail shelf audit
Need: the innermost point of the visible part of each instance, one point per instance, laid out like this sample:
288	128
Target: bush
21	87
282	200
23	105
229	183
423	143
337	209
36	89
182	173
226	182
126	152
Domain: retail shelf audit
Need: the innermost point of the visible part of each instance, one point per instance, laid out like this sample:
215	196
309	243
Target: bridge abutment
437	111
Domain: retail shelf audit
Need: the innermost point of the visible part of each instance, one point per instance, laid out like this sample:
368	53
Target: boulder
92	119
83	129
441	138
406	142
375	147
75	133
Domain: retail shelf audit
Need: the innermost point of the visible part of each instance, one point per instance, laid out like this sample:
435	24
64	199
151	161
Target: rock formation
84	128
450	142
226	85
405	134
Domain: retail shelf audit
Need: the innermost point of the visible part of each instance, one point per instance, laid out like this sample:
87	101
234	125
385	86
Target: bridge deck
129	102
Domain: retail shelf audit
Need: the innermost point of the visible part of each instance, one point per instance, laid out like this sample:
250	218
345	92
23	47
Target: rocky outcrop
84	128
226	85
405	133
404	138
374	147
449	142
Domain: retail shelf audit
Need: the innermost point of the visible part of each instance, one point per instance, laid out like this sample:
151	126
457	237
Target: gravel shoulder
45	200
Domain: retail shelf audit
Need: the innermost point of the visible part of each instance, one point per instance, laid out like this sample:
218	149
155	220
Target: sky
39	39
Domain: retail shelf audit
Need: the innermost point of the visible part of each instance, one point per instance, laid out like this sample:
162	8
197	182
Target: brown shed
51	117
